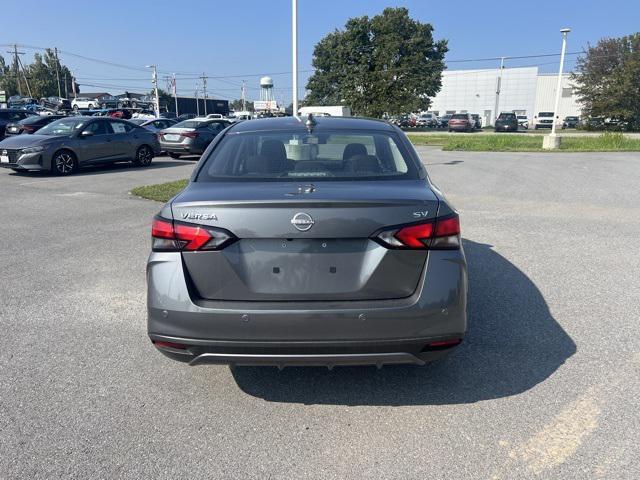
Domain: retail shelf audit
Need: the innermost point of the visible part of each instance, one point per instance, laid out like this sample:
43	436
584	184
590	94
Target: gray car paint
108	148
230	306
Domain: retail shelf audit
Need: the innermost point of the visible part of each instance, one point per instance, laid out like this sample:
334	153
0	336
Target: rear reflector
189	134
441	233
159	344
446	343
169	236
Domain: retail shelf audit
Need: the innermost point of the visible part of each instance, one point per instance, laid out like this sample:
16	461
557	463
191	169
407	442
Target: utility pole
154	80
15	53
498	85
55	50
552	141
66	86
175	93
244	96
204	91
294	41
197	100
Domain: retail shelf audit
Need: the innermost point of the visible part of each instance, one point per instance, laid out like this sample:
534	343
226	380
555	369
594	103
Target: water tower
266	89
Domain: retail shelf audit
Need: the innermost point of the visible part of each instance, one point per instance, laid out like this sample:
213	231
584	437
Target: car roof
322	123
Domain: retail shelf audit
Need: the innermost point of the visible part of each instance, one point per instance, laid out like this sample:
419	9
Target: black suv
506	122
55	103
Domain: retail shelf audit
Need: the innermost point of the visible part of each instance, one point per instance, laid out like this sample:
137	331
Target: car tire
120	104
64	163
76	108
144	156
104	106
174	155
134	104
90	106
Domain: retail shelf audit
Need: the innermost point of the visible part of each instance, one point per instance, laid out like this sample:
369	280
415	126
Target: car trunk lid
303	241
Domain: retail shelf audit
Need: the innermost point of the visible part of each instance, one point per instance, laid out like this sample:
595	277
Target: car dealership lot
545	385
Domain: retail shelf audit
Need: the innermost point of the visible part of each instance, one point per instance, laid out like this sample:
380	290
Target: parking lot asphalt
546	384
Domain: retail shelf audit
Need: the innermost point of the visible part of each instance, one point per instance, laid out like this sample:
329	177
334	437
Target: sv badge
421	214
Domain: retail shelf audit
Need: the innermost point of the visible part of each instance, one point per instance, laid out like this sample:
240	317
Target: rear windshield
506	116
36	119
189	124
461	116
296	156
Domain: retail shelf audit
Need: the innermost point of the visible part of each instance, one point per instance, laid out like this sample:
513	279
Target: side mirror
86	133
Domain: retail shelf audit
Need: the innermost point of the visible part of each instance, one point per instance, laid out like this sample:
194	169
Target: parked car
443	121
72	142
186	116
168	115
477	120
256	270
110	102
11	115
157	124
543	120
506	122
571	122
461	122
190	136
406	121
55	103
427	120
84	103
144	103
523	121
19	101
31	124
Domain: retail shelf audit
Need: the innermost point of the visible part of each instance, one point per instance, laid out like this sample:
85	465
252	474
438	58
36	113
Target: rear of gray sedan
190	137
321	244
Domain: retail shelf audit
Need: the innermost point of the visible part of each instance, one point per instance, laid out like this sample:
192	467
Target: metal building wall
546	95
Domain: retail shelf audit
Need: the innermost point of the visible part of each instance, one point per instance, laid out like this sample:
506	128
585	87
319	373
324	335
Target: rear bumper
284	354
308	333
181	148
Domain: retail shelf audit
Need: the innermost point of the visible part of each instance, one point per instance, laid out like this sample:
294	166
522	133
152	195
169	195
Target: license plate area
171	137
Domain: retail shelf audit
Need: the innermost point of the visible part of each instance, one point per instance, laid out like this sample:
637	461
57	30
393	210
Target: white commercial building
522	90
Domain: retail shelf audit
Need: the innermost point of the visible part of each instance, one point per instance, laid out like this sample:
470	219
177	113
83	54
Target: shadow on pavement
513	343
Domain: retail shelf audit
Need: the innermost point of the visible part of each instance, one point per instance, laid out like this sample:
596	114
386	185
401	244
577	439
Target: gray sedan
307	243
69	143
190	136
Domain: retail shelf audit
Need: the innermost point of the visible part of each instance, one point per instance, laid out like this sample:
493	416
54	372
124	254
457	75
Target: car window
506	116
460	116
120	127
98	128
292	156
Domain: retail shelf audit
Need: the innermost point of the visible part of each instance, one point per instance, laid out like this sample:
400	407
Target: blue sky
245	39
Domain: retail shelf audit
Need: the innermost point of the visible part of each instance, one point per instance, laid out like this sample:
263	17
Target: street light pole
155	88
294	41
564	32
498	86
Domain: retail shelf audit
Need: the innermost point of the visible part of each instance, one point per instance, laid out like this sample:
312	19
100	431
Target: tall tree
388	63
41	75
607	79
236	105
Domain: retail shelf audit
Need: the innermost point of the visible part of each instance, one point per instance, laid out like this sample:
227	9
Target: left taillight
439	234
170	236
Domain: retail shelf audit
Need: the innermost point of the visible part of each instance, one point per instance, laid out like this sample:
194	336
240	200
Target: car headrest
353	149
256	164
365	164
274	150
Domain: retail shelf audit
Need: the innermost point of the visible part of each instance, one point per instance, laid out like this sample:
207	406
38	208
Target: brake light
28	129
438	234
168	236
189	134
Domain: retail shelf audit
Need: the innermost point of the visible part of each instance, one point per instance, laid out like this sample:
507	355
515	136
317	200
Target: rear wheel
174	155
144	156
75	108
64	163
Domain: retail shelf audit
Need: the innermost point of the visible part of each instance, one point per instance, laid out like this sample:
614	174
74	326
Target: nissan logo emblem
302	221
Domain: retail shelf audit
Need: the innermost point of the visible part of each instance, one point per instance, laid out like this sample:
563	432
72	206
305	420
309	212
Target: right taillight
438	234
170	236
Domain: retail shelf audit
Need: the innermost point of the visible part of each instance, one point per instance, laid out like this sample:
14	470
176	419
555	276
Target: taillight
168	236
438	234
189	134
28	129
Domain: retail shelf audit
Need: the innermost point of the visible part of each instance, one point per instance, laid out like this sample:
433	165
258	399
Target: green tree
607	79
41	78
388	63
236	105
